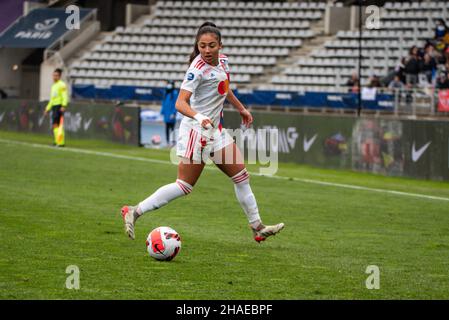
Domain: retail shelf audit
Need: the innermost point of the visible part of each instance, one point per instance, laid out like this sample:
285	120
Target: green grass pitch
60	208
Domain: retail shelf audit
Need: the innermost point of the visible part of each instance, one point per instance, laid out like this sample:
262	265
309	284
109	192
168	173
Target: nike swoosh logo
308	143
87	124
1	116
416	154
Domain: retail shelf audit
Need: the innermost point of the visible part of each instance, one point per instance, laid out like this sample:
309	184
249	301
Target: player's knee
185	187
241	177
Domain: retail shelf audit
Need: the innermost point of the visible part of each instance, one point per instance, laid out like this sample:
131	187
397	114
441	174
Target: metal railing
414	102
409	103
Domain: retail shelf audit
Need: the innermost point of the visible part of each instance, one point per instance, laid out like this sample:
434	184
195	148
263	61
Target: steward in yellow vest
57	105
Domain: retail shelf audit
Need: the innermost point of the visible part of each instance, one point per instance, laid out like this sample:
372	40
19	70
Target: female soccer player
202	94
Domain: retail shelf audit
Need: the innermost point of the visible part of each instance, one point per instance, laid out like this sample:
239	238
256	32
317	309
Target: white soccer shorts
198	146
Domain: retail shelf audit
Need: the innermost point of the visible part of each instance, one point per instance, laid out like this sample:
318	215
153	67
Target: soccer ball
156	140
163	243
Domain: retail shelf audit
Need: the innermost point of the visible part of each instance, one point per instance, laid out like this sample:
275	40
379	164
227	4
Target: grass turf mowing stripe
330	184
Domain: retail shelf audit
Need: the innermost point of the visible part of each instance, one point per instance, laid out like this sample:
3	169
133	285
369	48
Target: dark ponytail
206	27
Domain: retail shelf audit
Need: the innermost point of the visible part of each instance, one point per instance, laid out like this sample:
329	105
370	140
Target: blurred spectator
396	83
440	29
441	35
399	70
374	82
169	110
430	60
355	87
428	66
353	80
353	83
446	59
411	68
429	49
443	81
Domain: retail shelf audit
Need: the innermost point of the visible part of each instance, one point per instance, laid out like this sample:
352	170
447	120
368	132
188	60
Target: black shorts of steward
56	114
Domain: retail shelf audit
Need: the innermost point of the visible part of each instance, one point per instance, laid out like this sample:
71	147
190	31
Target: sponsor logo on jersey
190	76
223	87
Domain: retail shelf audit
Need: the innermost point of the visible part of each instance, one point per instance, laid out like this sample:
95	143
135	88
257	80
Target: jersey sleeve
192	79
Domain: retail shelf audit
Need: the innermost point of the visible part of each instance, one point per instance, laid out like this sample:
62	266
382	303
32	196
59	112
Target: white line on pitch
331	184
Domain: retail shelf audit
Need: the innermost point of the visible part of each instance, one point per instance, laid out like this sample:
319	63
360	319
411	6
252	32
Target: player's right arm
188	86
183	106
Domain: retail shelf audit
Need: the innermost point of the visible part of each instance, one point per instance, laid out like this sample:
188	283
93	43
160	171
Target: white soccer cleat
129	217
263	232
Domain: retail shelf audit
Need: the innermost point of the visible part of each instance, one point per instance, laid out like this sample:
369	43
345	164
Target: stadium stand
276	48
36	43
257	36
327	68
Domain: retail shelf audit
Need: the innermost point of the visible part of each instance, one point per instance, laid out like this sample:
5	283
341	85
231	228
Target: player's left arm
244	113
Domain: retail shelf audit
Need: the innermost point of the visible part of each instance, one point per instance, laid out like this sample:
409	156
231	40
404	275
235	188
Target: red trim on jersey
224	69
200	63
220	123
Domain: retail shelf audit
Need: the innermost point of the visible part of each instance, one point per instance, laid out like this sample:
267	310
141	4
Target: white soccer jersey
209	86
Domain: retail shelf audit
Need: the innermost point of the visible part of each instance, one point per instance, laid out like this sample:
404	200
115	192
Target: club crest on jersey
190	76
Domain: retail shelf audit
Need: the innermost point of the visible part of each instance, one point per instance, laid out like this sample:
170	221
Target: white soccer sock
246	197
164	195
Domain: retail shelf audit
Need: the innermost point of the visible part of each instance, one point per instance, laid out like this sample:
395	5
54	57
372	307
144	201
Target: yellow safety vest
58	96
